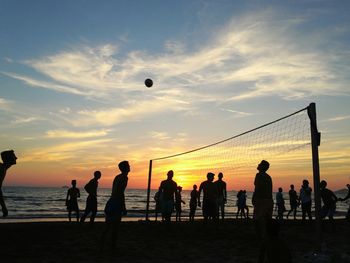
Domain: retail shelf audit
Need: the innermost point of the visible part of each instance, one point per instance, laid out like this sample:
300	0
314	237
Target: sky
73	99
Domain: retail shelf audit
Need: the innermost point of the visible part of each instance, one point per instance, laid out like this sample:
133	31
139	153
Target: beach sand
228	241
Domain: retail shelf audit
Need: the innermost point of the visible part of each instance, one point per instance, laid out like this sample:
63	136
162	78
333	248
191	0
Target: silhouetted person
293	201
222	196
305	200
91	201
241	203
168	188
280	204
329	200
345	198
193	202
210	196
178	202
72	200
115	207
274	248
262	198
157	198
245	203
9	158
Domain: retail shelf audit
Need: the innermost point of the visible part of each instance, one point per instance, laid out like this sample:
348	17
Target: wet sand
229	241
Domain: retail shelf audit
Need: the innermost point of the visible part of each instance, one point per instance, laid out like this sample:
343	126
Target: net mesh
285	143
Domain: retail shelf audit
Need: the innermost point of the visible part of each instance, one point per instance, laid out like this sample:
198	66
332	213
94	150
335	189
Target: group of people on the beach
169	197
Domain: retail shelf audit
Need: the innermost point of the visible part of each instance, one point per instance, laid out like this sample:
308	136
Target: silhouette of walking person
73	194
178	202
115	207
9	158
91	201
305	200
222	196
168	188
346	198
193	202
293	201
210	195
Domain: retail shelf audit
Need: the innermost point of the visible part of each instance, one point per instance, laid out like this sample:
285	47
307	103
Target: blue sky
72	72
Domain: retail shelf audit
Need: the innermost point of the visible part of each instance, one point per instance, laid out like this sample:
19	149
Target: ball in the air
148	83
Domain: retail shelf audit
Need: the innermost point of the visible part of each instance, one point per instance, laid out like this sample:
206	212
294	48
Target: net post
315	142
149	188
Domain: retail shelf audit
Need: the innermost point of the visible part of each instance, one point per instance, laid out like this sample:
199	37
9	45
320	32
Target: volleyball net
285	143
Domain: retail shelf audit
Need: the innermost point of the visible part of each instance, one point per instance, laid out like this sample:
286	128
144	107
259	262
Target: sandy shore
229	241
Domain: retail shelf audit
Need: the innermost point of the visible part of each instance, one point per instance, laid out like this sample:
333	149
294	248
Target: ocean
48	204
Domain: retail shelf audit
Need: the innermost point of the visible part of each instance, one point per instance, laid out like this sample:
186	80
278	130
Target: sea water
48	203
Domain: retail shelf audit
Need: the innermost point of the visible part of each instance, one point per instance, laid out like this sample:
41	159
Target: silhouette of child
178	201
72	200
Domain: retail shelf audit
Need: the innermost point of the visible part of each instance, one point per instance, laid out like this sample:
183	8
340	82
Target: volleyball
148	83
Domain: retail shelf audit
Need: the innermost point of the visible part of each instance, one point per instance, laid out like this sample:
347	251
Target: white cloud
340	118
238	114
256	55
21	120
75	135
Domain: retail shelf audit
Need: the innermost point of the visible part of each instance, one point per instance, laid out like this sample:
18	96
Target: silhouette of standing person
73	194
305	199
329	200
280	204
178	202
193	202
115	207
240	204
262	198
293	201
91	201
157	198
168	188
9	158
345	198
210	195
222	196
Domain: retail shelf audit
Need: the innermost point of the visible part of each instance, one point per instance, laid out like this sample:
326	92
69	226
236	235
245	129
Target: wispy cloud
340	118
4	104
238	114
21	120
75	135
255	55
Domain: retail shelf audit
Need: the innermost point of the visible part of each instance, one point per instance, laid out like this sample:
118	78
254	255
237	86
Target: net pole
315	142
149	188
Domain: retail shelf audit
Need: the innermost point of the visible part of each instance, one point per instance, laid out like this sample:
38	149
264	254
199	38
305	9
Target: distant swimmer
91	201
9	158
72	200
